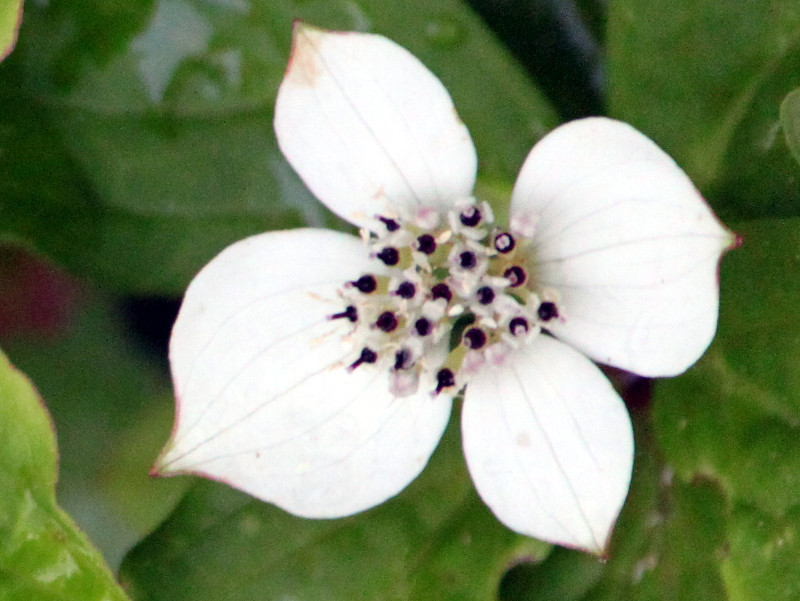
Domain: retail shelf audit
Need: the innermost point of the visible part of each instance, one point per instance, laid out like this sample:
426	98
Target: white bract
316	370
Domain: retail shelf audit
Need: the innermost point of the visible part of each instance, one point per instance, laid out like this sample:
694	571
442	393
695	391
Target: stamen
467	260
515	275
350	313
457	255
389	255
442	291
470	216
402	359
390	224
422	326
426	244
365	284
367	356
406	290
386	321
444	379
547	311
485	295
474	338
504	243
518	326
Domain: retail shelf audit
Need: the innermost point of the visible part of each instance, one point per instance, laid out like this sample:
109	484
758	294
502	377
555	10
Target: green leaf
142	132
762	561
713	509
679	560
790	121
113	409
436	540
10	17
736	415
666	546
706	82
43	555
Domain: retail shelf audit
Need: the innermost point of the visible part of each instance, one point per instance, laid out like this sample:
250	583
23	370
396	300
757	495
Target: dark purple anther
442	291
515	275
485	295
518	326
386	321
365	284
504	243
367	356
547	311
470	216
350	313
426	244
475	338
422	326
402	359
467	260
390	224
406	290
390	256
444	379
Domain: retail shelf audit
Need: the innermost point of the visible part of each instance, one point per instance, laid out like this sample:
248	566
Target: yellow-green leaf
10	17
43	556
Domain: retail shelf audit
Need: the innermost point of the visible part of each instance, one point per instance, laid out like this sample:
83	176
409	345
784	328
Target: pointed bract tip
300	27
160	468
157	469
304	62
304	33
597	549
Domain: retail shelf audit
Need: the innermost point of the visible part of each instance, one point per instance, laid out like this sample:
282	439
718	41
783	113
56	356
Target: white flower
300	384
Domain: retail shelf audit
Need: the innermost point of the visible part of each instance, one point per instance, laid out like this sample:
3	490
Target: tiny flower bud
485	295
470	216
518	326
504	243
515	275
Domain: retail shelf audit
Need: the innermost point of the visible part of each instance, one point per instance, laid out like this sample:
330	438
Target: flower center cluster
453	294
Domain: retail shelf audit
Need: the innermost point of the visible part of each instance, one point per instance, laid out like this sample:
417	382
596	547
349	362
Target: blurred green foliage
142	131
790	121
705	80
